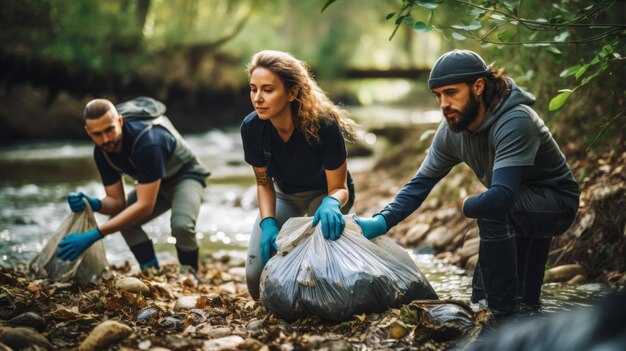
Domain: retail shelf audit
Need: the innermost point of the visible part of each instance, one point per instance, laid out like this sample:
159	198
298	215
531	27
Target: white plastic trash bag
312	276
91	266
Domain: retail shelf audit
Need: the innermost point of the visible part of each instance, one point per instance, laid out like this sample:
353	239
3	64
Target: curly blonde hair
311	105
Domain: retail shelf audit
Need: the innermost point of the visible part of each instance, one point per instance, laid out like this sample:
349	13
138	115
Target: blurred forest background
58	54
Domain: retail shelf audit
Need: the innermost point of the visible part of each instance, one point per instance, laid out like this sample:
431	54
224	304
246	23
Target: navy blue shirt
295	165
147	163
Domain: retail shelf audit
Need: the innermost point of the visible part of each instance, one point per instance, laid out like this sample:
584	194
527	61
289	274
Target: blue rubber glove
329	213
268	237
372	227
78	205
75	244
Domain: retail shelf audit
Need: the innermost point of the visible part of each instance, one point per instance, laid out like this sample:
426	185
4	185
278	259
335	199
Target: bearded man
531	193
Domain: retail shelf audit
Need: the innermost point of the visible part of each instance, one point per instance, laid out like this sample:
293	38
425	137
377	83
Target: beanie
457	66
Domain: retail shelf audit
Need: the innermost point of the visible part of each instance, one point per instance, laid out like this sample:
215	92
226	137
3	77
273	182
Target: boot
532	255
478	289
145	255
498	263
188	258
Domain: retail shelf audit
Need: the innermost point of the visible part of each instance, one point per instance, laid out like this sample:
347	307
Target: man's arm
499	198
142	208
408	199
115	200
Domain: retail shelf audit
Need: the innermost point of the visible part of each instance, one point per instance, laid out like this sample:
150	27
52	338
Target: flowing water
36	177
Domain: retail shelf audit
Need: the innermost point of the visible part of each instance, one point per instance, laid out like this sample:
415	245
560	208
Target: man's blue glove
329	213
372	227
75	244
268	237
78	205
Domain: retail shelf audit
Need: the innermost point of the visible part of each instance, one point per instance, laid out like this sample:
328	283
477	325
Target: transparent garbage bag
312	276
91	266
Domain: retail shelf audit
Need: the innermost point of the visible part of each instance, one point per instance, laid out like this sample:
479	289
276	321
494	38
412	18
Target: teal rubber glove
75	244
372	227
268	237
78	205
329	213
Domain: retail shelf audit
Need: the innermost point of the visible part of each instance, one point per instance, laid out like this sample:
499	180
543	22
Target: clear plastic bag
91	266
312	276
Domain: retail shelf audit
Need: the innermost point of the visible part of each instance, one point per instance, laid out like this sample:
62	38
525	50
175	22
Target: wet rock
186	302
7	307
132	285
255	326
228	342
21	337
577	280
416	233
29	319
172	322
147	314
105	334
215	333
563	273
196	316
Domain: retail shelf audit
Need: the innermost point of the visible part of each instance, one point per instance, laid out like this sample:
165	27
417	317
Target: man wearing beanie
531	193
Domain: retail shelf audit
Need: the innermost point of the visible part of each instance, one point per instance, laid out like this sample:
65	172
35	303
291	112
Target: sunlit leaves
558	101
431	5
458	36
569	71
473	25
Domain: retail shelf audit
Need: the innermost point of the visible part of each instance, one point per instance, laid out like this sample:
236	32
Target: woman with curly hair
294	141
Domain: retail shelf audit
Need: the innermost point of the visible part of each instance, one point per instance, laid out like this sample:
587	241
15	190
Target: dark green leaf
421	27
558	101
328	3
390	15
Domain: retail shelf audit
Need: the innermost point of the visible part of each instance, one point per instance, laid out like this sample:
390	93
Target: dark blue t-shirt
295	165
147	164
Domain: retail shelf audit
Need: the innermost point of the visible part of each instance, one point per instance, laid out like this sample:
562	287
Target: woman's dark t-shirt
295	165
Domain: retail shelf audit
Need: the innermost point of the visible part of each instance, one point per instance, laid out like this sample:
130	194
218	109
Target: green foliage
501	23
581	39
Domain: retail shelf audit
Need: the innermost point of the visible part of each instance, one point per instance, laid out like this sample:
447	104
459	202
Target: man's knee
494	229
184	230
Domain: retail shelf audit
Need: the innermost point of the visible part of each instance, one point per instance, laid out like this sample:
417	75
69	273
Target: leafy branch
500	23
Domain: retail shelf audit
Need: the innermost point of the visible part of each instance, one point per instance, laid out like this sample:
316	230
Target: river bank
168	311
